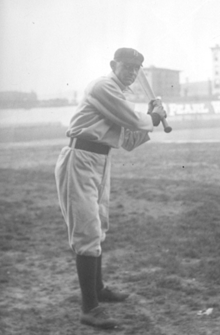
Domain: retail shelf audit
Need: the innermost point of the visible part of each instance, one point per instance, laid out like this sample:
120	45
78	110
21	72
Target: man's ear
112	64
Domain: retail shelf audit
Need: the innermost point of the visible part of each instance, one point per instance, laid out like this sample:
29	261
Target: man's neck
120	84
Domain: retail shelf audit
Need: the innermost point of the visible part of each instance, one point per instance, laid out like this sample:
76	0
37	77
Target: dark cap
129	55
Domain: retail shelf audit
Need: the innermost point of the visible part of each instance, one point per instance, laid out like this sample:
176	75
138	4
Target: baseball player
104	119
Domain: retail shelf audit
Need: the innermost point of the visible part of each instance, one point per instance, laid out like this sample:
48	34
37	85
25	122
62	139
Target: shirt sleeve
110	102
133	139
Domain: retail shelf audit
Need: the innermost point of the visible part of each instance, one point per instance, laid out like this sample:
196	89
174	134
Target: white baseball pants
83	186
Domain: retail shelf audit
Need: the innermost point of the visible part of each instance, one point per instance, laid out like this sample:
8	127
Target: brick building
164	82
196	90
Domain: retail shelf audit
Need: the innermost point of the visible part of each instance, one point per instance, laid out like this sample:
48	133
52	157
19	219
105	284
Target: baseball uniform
103	118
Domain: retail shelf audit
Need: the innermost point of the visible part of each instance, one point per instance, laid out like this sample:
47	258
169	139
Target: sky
54	46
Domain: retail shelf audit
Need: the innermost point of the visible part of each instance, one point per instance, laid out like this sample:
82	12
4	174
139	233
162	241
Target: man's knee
92	248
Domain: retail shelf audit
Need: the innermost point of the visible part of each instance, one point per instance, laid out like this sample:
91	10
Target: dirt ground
163	246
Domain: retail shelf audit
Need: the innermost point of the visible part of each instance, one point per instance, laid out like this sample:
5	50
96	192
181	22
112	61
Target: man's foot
97	317
106	295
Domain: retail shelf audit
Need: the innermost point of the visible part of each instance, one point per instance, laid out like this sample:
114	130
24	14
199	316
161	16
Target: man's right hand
157	115
160	111
156	111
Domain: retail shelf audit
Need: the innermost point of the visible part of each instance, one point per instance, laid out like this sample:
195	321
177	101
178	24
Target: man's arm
107	98
133	139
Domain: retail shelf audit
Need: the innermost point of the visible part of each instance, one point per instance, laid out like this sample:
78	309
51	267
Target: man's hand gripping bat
151	96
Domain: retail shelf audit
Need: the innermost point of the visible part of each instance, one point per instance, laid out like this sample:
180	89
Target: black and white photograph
110	167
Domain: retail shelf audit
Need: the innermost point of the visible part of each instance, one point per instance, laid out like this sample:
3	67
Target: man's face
126	72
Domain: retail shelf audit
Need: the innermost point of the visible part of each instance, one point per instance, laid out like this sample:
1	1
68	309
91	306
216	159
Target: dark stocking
87	274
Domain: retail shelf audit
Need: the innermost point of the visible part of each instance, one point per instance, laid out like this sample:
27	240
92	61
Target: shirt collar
119	83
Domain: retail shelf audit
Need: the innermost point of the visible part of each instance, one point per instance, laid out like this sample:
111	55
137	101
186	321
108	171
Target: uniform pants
83	186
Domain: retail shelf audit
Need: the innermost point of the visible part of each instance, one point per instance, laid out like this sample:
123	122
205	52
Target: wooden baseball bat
151	96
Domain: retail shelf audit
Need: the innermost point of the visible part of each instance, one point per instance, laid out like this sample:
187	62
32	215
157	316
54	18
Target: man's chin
128	82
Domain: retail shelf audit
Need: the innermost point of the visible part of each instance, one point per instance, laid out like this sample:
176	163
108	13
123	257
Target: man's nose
133	71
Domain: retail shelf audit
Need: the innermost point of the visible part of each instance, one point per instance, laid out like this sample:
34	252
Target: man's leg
92	314
87	273
99	282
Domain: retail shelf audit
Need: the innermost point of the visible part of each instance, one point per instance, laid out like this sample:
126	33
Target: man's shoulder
97	82
104	83
104	80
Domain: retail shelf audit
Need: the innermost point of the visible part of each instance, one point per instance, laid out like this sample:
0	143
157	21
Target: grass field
163	245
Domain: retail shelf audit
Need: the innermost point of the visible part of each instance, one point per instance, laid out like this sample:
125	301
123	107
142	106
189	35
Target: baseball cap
129	55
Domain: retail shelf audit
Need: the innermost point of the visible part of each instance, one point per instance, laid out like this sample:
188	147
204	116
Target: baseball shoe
97	317
106	295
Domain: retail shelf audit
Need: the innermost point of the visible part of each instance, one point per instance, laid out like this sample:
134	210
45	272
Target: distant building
16	99
216	70
196	90
205	89
164	82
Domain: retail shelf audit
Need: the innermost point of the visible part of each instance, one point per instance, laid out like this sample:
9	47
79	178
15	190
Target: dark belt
90	146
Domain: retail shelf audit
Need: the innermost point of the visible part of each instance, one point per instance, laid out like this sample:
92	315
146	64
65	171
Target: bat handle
166	127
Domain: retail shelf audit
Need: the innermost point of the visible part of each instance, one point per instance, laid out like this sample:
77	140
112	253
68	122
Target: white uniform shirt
106	117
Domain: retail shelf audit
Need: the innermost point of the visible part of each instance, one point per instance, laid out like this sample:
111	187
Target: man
103	120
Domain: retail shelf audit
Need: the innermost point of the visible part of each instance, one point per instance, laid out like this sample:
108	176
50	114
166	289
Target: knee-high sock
99	282
87	274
